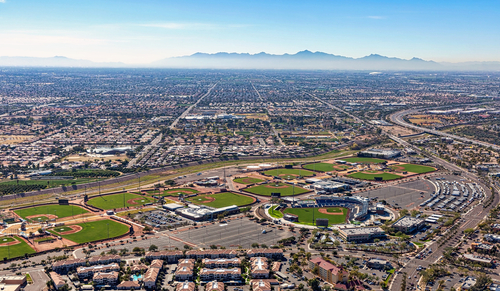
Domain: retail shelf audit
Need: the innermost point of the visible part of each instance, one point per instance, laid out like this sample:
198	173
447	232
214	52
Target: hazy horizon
143	32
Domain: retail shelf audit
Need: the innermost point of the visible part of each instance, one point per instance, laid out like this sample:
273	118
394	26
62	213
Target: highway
185	113
468	220
398	119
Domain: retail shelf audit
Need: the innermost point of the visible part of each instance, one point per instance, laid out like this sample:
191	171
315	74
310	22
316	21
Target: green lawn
59	210
288	191
288	174
6	239
117	200
364	160
371	177
414	168
222	200
17	250
19	186
325	167
247	180
275	213
173	192
96	230
306	215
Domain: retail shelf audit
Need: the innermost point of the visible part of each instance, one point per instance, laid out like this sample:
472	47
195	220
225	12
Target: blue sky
143	31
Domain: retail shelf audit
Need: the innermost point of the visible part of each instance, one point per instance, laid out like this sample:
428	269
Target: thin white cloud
376	17
2	1
192	26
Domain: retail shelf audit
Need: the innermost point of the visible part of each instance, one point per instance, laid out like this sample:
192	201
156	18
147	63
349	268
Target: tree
315	270
147	229
403	212
153	248
313	283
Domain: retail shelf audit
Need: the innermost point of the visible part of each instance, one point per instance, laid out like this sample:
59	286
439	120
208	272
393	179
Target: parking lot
239	232
404	195
163	219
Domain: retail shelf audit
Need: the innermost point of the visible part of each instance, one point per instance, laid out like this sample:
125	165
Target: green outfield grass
173	192
275	213
306	215
266	191
288	174
247	180
14	251
118	200
371	177
364	160
325	167
60	229
222	199
419	169
59	210
96	230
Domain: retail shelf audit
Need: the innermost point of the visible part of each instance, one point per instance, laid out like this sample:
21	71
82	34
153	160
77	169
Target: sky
143	31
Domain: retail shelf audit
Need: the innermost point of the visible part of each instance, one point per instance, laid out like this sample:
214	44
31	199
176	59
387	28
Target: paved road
398	119
185	113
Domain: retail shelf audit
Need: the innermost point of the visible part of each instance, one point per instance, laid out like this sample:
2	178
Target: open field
221	199
288	174
16	250
93	157
119	201
60	211
284	189
14	139
18	186
247	180
371	176
364	160
413	168
43	239
96	230
306	214
325	167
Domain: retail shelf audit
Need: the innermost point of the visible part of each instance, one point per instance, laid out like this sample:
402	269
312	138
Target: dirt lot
93	157
14	139
398	130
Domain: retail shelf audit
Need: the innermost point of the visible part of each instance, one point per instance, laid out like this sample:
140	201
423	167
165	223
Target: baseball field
247	180
308	216
419	169
12	247
221	199
91	231
173	192
119	201
325	167
288	174
366	175
364	160
46	212
284	189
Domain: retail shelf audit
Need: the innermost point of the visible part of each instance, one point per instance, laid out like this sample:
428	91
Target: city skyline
147	31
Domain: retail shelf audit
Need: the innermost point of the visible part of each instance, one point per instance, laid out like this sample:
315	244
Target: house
57	279
128	285
185	286
233	274
169	256
221	263
259	285
259	268
106	278
214	286
152	273
328	271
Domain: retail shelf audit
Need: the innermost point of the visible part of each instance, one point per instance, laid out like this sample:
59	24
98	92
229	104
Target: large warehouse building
201	212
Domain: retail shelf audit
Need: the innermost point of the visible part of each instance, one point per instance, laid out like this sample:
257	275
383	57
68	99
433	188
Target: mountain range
303	60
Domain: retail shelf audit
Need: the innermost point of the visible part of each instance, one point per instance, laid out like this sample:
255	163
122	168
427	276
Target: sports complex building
358	205
202	212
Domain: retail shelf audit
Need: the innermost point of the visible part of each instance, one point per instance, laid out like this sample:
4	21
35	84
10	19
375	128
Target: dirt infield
324	211
179	191
49	216
133	200
207	199
276	187
11	243
74	229
399	168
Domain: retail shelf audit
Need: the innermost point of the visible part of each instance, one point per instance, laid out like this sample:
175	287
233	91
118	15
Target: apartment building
328	271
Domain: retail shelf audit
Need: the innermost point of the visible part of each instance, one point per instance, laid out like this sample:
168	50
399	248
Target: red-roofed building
328	271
